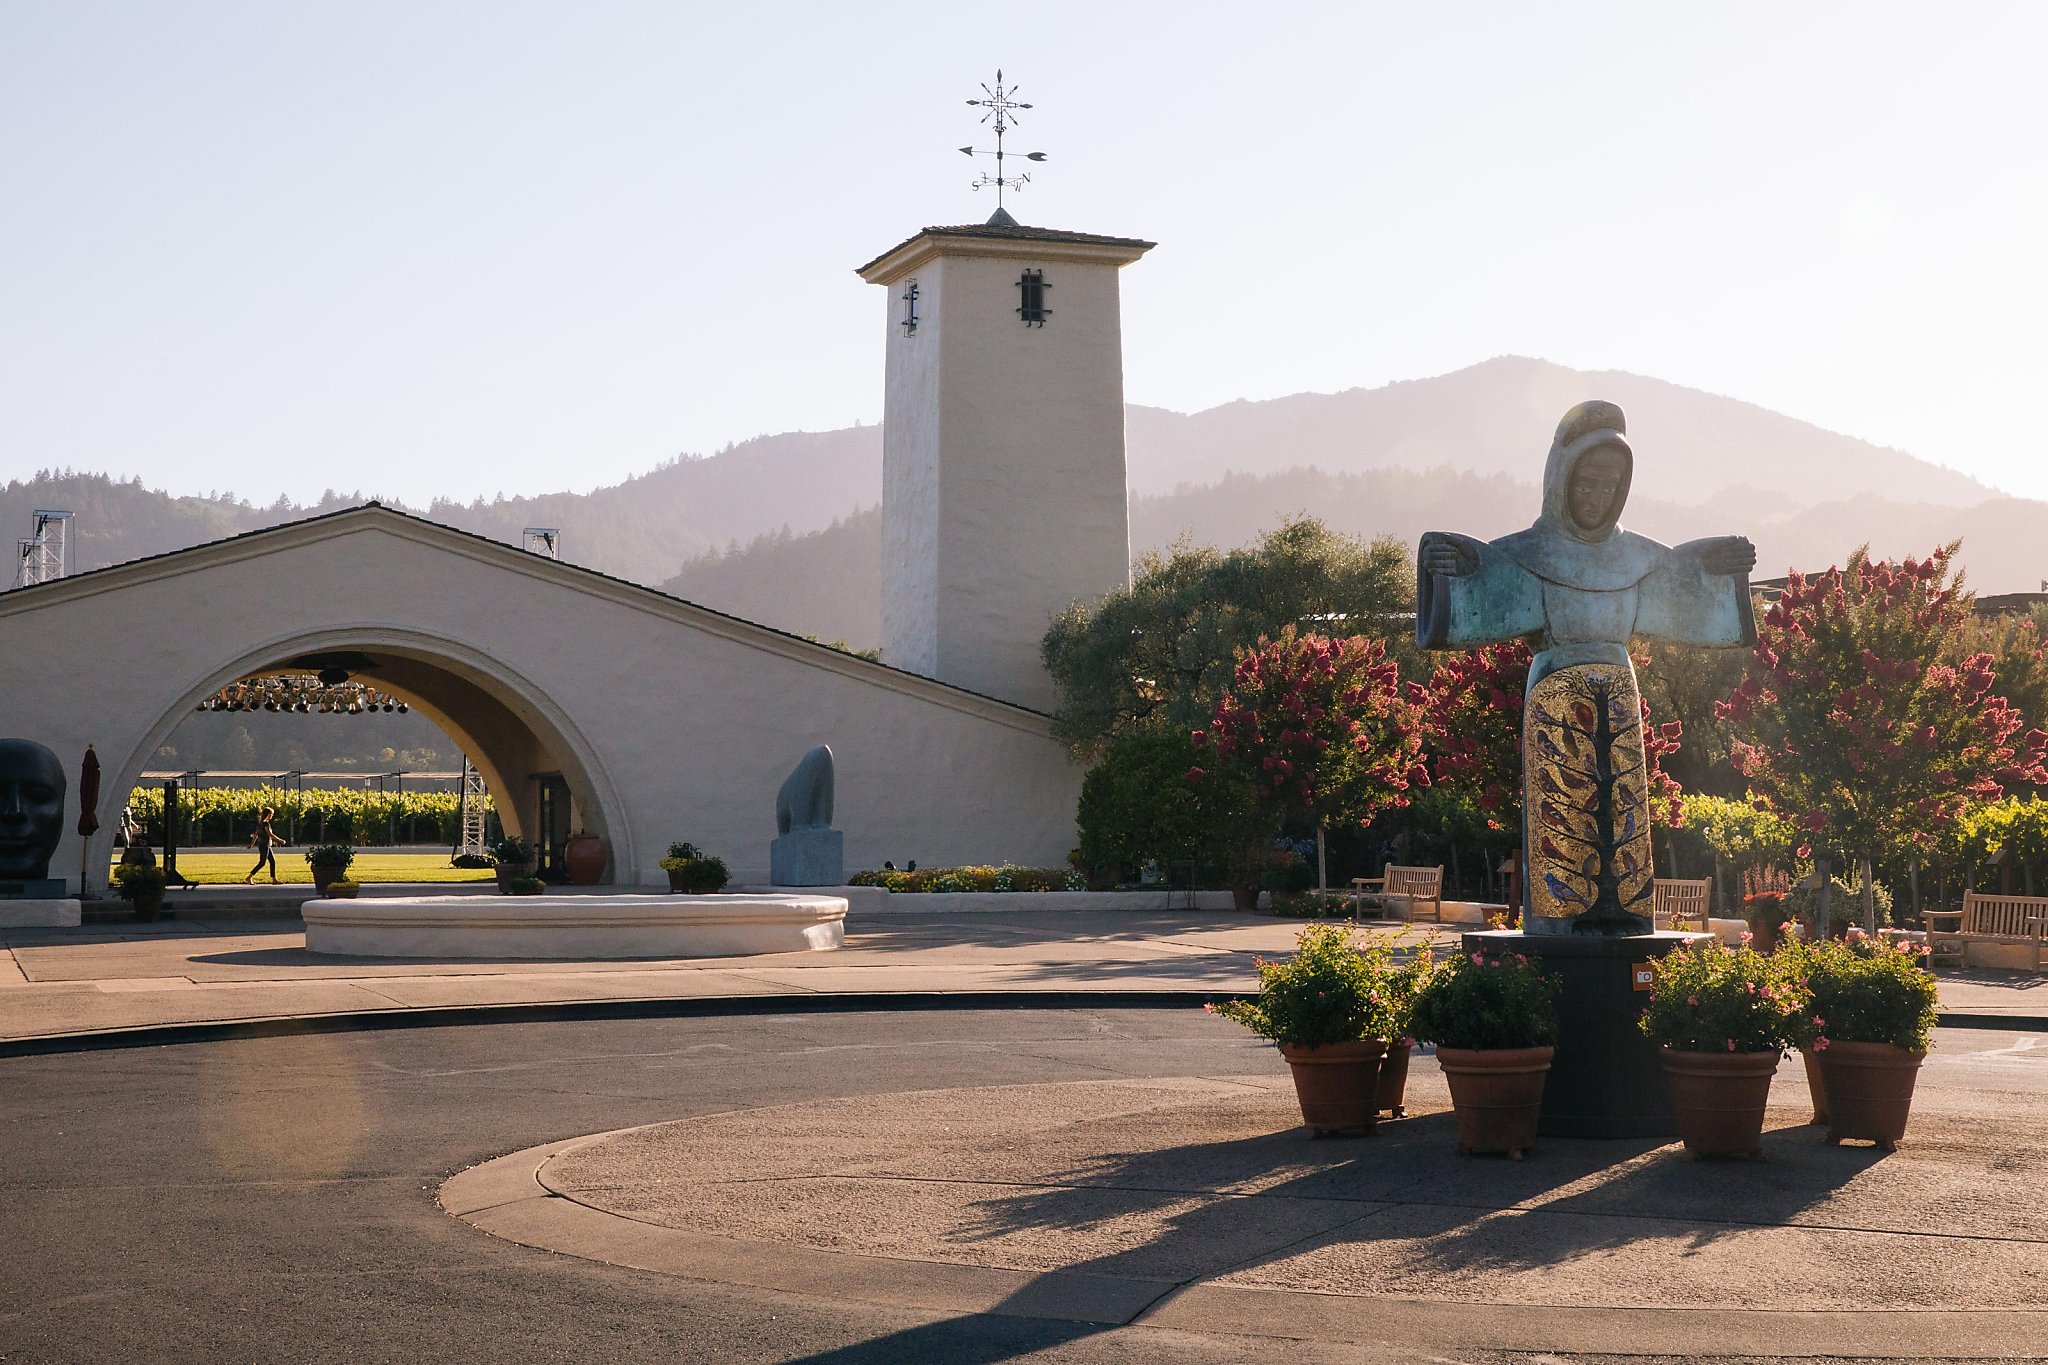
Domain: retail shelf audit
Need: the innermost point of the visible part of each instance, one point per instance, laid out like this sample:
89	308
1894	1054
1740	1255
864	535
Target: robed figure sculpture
1578	587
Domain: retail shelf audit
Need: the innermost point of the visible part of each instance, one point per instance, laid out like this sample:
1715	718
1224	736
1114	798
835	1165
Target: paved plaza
959	1186
221	966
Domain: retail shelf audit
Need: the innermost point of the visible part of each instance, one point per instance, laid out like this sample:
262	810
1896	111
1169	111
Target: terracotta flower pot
148	907
1816	1085
1719	1099
325	876
1391	1094
1869	1090
1336	1084
585	856
676	884
1498	1093
509	872
1244	898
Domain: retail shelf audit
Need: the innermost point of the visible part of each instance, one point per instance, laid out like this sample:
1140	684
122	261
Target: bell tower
1004	493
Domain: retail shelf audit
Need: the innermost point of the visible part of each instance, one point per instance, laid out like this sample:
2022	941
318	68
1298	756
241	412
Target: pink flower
1692	1000
1478	959
1820	1045
1819	1022
1731	1045
1747	936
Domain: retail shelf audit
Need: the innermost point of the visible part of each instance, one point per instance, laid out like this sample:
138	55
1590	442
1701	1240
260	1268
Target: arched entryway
532	757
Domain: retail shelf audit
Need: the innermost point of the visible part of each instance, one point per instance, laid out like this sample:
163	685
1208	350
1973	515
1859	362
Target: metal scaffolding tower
46	553
542	540
474	805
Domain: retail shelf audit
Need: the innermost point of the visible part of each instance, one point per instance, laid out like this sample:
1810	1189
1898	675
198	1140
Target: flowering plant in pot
511	857
1330	1010
692	871
1721	1019
341	888
1872	1016
1493	1018
329	863
142	886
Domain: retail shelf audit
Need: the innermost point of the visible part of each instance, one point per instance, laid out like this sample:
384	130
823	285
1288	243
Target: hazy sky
456	248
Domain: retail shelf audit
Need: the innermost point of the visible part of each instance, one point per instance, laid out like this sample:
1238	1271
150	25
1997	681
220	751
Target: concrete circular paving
1197	1203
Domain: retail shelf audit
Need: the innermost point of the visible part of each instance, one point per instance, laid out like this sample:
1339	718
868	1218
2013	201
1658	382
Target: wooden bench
1411	886
1680	904
1991	931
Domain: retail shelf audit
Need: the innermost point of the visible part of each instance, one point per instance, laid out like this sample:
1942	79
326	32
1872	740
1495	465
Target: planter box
998	902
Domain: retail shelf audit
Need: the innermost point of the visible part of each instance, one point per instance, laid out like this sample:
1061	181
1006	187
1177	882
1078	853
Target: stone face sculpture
31	816
1578	587
807	851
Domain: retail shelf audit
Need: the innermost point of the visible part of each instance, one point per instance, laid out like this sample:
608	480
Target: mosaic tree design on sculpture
1587	794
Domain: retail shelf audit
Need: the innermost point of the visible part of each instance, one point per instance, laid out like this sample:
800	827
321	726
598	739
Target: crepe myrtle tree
1314	731
1849	723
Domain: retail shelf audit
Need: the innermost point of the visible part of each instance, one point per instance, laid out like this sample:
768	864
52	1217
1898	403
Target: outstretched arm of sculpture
1440	554
1468	594
1700	594
1724	554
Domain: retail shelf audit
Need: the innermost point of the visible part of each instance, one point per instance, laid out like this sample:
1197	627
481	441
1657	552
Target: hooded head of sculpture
31	809
1586	479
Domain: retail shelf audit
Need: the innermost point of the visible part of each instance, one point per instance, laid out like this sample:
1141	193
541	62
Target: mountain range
785	529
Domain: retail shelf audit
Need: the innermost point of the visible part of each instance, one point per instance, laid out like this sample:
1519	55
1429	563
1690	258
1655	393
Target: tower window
1031	287
909	307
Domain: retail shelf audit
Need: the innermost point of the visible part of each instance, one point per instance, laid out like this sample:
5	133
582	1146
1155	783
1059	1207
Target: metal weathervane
1002	106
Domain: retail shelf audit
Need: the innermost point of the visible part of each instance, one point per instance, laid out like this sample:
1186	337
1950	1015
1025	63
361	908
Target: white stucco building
663	720
1004	489
652	718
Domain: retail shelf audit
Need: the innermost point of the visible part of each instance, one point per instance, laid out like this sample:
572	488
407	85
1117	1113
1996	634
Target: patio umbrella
88	812
89	794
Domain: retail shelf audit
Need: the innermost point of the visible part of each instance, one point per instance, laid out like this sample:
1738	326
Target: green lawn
218	869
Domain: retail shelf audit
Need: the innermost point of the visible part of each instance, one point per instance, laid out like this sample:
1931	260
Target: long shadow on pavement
1226	1207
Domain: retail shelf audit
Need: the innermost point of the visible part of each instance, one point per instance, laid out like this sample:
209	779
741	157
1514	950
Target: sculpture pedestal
808	857
1606	1081
41	913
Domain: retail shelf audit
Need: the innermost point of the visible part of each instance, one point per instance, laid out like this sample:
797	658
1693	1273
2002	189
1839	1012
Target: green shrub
700	875
1290	878
1865	992
1005	878
512	851
336	856
1711	999
1333	990
1137	806
524	886
132	880
1485	1000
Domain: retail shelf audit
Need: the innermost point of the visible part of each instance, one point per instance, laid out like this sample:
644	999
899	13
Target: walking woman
261	841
